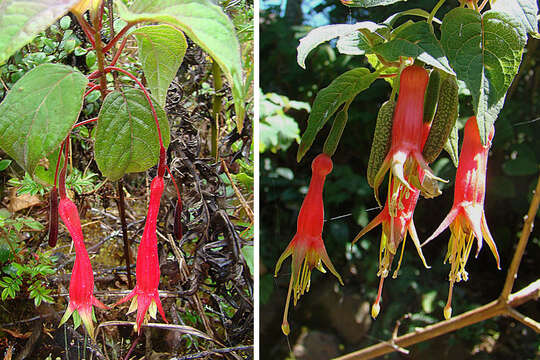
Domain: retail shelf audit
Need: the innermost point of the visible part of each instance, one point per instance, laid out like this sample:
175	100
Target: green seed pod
382	139
444	119
432	95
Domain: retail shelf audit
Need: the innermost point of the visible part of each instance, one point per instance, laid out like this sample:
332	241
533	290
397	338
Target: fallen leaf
21	202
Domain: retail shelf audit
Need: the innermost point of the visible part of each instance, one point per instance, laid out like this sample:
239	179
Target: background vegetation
332	320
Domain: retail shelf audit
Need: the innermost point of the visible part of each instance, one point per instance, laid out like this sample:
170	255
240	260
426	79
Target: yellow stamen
285	325
400	257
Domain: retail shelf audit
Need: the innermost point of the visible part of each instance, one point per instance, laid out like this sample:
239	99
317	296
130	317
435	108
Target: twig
215	351
246	207
502	306
122	212
132	347
525	320
522	244
474	316
184	272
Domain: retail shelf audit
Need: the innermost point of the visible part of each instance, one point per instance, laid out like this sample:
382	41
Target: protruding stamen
400	258
376	307
285	324
448	307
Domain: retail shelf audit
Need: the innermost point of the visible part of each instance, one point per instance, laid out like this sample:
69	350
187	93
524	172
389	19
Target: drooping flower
307	246
145	295
81	286
397	221
405	155
467	219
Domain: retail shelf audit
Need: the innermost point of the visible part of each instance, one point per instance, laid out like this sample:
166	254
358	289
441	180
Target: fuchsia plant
46	103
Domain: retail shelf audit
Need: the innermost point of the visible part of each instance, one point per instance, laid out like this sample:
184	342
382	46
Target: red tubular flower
397	221
405	154
81	286
307	246
467	219
145	294
396	224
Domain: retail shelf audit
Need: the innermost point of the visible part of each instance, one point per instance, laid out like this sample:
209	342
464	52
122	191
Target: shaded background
331	319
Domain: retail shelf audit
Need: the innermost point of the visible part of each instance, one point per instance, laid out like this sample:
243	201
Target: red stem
58	164
95	87
88	30
84	122
93	75
174	182
119	52
100	15
62	179
117	37
387	75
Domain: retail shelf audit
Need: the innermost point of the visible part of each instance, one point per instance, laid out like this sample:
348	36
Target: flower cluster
409	177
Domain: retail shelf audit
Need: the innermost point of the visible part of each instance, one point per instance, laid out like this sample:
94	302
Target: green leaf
4	164
248	252
126	134
39	111
343	89
205	24
22	20
161	51
65	22
418	41
451	145
325	33
332	141
523	11
485	51
368	3
46	175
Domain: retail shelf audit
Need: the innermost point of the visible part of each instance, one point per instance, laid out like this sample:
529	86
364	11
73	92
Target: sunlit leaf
22	20
325	33
485	51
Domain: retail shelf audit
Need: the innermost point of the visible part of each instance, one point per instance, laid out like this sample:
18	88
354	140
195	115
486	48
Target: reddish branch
84	122
117	37
88	30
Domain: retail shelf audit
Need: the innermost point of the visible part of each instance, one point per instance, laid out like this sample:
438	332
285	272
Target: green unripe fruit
432	95
382	139
444	119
